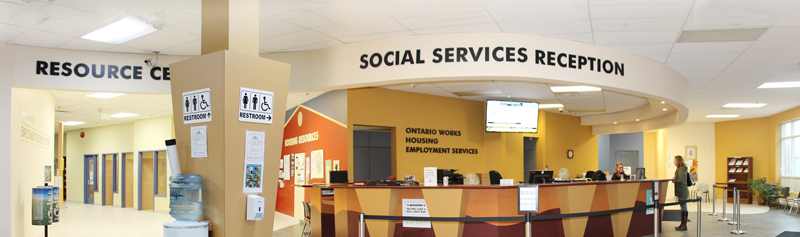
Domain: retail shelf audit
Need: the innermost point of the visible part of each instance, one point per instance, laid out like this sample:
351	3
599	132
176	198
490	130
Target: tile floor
89	220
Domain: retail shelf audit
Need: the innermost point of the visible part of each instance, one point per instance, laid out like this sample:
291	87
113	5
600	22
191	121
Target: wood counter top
483	186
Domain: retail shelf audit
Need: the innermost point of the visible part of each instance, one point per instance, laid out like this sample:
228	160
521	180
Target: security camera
561	110
413	85
147	62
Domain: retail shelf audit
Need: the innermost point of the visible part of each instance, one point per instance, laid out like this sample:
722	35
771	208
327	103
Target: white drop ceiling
718	72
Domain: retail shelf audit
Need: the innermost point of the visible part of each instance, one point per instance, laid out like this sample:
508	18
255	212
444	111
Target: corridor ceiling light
663	102
557	89
744	105
549	106
637	120
105	95
722	116
783	84
123	115
664	109
615	122
70	123
121	31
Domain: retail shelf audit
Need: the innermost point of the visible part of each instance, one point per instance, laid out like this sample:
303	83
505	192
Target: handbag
689	182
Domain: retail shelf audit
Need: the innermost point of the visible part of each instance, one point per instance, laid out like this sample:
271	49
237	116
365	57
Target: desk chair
793	202
307	221
494	177
589	174
783	195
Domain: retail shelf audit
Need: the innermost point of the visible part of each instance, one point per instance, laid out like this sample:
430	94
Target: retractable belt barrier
526	218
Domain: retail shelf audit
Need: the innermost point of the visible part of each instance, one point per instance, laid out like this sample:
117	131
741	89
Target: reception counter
337	214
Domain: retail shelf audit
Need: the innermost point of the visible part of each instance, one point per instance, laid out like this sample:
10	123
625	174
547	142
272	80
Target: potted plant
759	187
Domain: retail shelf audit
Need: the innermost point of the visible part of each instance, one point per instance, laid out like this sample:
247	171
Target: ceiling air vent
565	94
688	36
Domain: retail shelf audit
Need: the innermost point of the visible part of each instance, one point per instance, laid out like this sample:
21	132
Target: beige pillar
230	61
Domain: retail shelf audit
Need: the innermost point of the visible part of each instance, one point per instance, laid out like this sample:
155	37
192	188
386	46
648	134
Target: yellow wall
564	132
700	135
649	148
391	108
29	157
747	137
497	151
140	135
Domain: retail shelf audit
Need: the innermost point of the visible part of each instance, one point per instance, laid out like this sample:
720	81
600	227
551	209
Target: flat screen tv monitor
540	176
338	176
512	116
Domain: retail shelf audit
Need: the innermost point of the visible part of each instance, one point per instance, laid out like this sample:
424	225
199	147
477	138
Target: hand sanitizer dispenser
255	207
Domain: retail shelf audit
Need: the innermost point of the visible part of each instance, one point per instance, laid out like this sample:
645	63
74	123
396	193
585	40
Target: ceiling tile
637	37
435	14
580	37
543	18
88	45
191	48
275	26
644	49
292	40
8	32
41	39
315	46
162	39
376	36
124	49
702	58
640	24
481	27
711	47
641	11
683	67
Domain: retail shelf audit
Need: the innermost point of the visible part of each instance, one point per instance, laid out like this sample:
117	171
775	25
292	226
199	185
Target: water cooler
185	200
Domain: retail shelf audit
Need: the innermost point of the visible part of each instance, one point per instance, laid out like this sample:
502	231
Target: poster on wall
692	165
48	174
197	106
317	162
287	166
650	211
199	141
328	168
299	168
255	106
253	161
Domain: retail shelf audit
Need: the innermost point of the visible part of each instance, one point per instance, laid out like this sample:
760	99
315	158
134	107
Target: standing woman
681	189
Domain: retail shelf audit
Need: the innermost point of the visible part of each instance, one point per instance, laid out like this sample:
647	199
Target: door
127	180
89	178
146	180
628	158
529	156
108	179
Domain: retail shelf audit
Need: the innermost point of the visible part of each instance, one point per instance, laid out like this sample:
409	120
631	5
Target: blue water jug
185	196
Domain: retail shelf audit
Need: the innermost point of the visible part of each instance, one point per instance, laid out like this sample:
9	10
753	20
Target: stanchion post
362	226
528	225
699	211
655	209
714	202
738	230
734	218
724	204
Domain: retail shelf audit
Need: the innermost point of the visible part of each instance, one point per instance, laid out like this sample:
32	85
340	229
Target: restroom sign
196	106
255	106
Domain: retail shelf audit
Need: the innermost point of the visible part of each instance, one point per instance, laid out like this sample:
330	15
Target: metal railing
714	201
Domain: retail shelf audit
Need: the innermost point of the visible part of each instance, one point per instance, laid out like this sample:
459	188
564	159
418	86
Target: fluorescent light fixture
783	84
744	105
105	95
558	89
123	115
70	123
548	106
722	116
121	31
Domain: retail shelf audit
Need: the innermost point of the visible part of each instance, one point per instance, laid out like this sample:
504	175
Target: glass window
161	173
790	149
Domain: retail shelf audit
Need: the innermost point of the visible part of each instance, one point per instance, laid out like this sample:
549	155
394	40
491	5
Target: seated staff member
619	173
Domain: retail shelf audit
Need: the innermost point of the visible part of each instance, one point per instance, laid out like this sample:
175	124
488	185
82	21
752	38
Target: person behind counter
681	189
619	173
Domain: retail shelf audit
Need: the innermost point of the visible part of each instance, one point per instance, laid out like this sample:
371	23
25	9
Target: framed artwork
691	152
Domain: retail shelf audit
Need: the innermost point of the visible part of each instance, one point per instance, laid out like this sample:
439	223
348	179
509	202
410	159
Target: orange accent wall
332	140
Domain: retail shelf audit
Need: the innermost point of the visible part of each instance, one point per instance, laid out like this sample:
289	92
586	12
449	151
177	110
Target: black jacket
617	175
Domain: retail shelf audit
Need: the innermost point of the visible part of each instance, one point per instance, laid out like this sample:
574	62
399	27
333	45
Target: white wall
5	140
692	134
603	151
626	142
30	155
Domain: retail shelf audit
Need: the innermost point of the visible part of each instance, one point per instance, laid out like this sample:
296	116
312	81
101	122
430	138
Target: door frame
122	176
86	158
113	177
155	174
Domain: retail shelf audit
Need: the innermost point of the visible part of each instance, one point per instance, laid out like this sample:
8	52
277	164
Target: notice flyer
415	208
430	176
317	162
253	161
199	141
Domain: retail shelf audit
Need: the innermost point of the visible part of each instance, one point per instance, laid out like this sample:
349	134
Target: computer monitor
540	176
338	176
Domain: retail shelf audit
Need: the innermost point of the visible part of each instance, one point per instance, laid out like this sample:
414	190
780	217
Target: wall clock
570	154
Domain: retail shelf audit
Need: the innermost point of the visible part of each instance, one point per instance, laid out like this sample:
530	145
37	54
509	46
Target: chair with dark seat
783	195
307	214
494	177
599	176
589	175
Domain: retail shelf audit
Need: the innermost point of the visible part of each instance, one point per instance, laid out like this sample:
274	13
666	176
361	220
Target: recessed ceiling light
123	115
744	105
557	89
121	31
664	109
615	122
104	95
783	84
637	120
70	123
663	102
722	116
547	106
